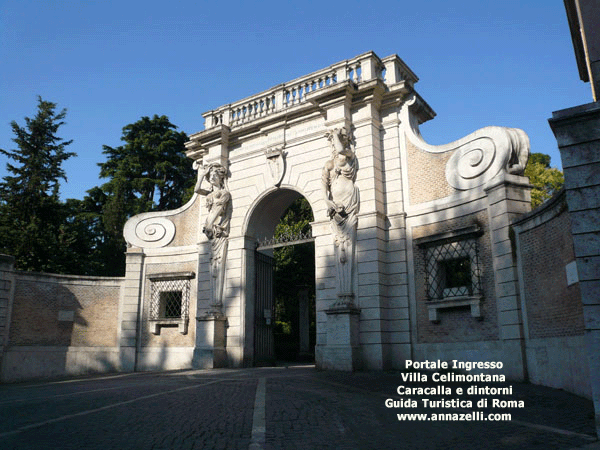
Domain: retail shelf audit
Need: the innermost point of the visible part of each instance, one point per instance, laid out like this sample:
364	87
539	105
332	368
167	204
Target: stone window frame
452	245
161	284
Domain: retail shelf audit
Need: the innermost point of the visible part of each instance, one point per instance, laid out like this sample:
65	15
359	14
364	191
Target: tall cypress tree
31	214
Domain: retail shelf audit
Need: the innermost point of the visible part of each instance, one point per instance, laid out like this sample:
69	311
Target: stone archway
259	316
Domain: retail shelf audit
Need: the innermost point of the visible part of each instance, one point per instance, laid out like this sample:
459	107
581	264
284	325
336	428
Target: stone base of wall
560	363
35	362
165	358
396	356
509	352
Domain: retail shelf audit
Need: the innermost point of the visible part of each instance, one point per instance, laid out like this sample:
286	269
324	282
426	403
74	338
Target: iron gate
264	348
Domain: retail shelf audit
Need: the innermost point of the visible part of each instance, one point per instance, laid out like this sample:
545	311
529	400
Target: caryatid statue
216	225
342	199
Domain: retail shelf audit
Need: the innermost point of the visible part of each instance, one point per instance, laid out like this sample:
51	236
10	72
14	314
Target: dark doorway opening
294	286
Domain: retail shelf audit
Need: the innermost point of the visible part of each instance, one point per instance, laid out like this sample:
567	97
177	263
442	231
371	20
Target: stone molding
543	213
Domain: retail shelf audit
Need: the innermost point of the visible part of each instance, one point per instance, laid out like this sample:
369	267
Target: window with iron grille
169	300
452	270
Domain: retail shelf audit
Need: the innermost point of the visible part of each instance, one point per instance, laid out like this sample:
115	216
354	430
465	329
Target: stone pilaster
130	309
210	353
509	196
577	131
7	291
342	351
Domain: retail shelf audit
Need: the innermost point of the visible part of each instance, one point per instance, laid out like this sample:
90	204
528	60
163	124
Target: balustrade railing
362	68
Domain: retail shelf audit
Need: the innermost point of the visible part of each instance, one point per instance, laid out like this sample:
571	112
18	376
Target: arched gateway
411	240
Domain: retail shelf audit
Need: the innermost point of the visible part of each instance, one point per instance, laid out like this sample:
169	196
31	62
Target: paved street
272	408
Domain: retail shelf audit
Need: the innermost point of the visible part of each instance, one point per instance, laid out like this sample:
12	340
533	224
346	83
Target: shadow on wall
61	325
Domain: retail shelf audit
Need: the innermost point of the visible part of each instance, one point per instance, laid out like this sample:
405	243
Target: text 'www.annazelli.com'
473	416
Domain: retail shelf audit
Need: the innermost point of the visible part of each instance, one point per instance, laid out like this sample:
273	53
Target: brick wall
427	174
554	309
60	310
6	286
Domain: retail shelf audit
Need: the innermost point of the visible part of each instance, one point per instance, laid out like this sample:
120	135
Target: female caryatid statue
216	226
342	199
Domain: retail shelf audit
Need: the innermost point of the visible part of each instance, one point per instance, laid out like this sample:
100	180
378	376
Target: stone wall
550	292
61	325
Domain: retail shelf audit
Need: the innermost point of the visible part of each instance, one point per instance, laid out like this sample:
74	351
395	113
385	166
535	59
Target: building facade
422	252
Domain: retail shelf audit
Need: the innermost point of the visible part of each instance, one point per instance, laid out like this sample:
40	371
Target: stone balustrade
361	69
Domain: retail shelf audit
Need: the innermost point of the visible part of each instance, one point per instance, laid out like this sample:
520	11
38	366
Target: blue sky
507	63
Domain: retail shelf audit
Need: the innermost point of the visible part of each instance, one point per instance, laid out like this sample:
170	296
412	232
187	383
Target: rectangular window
452	271
171	304
457	278
169	300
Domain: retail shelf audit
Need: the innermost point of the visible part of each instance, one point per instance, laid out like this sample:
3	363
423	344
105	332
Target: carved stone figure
342	199
216	226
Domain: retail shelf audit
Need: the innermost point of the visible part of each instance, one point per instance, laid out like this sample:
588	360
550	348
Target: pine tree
31	213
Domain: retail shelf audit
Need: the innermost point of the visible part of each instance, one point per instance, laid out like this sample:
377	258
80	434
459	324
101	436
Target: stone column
7	291
130	309
577	131
509	197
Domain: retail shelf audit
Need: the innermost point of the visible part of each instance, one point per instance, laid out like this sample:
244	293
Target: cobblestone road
271	408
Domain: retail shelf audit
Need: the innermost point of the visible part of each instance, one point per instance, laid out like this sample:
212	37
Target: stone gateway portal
412	247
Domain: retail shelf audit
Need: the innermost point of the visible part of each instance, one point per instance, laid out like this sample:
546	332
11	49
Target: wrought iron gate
264	349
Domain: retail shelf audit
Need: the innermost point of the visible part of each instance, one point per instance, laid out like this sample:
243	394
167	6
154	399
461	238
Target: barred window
171	304
170	300
452	271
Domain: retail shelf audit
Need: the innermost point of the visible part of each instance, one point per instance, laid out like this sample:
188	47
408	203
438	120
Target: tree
546	180
149	172
31	213
294	268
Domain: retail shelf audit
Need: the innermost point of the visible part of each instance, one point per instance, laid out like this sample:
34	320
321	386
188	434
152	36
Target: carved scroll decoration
149	232
492	150
478	157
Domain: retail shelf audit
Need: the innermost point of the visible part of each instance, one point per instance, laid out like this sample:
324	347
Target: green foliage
546	180
294	270
31	214
149	172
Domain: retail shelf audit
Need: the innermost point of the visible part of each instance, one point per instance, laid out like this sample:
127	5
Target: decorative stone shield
275	164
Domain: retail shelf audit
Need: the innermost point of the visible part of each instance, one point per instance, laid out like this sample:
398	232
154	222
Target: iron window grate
170	299
452	270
